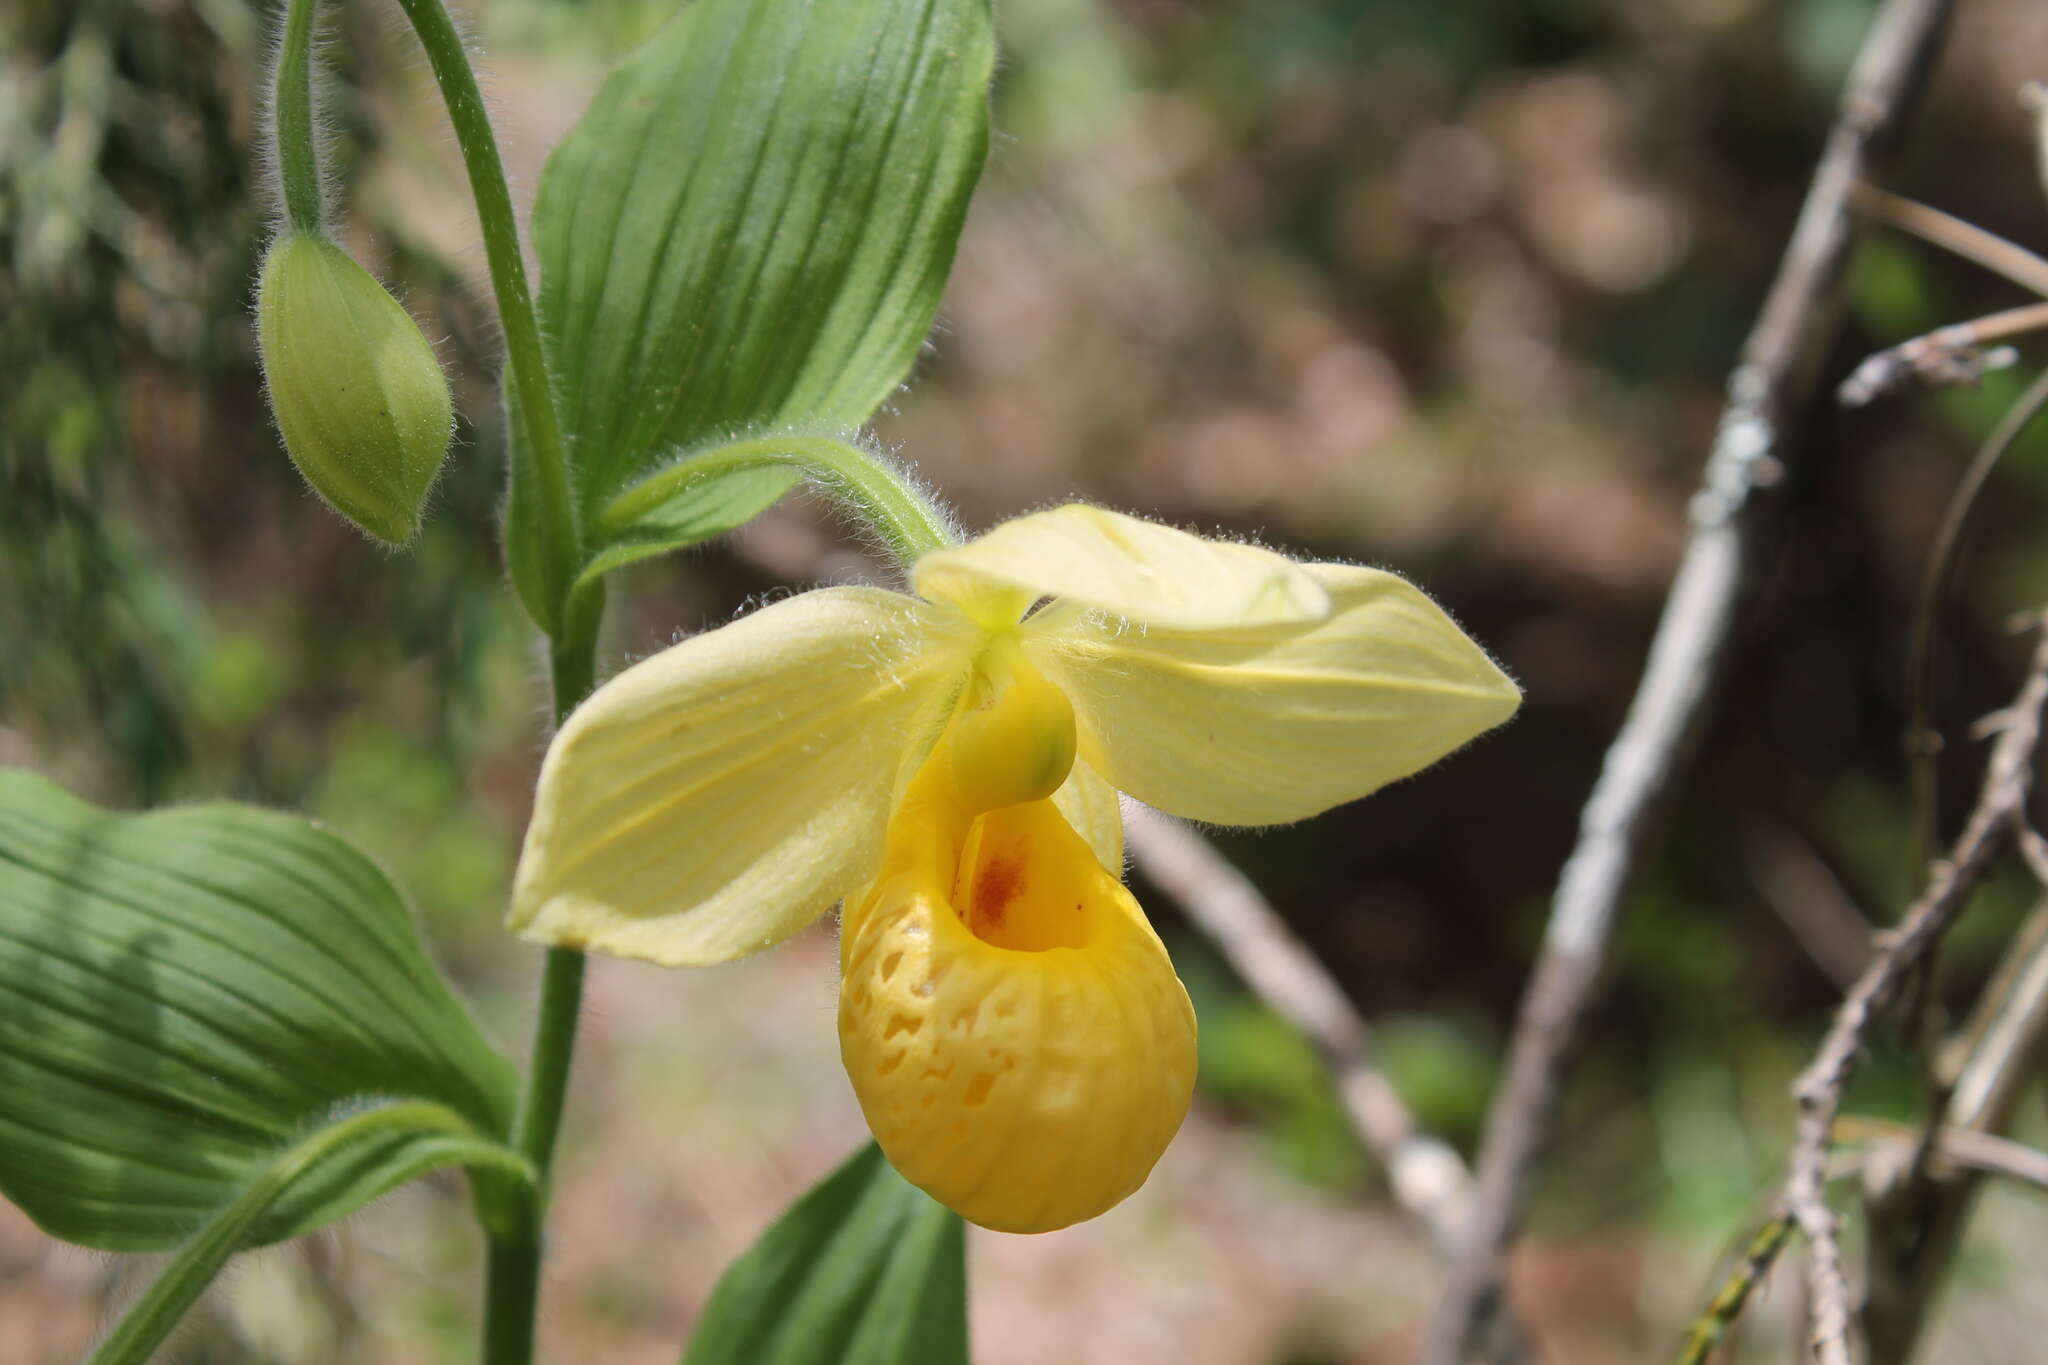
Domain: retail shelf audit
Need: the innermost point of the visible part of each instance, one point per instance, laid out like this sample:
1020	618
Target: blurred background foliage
1452	288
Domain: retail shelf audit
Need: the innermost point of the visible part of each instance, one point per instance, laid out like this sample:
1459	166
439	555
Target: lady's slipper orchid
947	765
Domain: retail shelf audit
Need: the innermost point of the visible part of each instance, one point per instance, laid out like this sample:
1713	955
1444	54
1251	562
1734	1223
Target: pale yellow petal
1263	725
1090	805
719	796
1140	570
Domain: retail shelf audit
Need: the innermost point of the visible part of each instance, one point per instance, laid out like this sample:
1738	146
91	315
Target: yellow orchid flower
946	764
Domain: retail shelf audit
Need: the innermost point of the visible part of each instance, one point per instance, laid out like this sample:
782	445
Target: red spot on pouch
996	883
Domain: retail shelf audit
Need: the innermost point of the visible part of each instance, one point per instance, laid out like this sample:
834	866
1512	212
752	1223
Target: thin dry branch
1812	903
1772	385
1990	1154
1917	1208
2000	806
1955	354
1922	743
1953	234
1428	1177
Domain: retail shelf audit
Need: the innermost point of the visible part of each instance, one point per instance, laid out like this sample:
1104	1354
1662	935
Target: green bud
357	391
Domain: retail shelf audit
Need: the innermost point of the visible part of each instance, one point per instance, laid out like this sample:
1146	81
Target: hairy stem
512	1285
298	153
526	373
512	1267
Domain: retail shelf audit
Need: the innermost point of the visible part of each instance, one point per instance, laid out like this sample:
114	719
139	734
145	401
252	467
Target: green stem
512	1283
884	500
512	1264
298	153
547	1081
572	655
526	376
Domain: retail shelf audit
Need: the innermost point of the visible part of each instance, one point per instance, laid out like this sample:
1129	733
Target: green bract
358	392
742	243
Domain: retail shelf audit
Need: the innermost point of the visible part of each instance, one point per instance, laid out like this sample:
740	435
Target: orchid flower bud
357	392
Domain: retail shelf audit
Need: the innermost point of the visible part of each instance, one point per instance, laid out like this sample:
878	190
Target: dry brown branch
1967	240
1990	1154
1996	1049
1918	1206
1772	385
1428	1177
1813	904
1955	354
1923	745
1900	951
2034	850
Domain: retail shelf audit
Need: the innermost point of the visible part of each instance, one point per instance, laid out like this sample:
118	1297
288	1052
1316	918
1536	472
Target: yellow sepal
721	795
1139	570
1266	724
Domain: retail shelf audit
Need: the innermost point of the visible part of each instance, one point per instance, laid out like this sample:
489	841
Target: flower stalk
512	1284
296	140
526	372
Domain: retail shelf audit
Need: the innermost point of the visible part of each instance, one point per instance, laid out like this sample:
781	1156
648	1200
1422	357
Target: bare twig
1813	904
2010	1021
1428	1177
2034	850
1967	240
1990	1154
1917	1208
1923	745
1819	1089
1770	387
1712	1325
1426	1174
1955	354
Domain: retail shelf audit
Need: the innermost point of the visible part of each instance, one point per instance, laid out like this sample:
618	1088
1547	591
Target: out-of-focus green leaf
373	1151
183	994
863	1270
748	231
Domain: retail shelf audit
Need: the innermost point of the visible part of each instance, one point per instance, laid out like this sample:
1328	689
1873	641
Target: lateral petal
1140	570
1267	724
719	796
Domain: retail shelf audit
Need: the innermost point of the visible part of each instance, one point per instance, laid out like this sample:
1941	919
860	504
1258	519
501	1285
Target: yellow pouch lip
1027	1089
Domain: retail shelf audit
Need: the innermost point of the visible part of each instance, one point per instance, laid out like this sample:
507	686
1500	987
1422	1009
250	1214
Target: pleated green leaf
863	1270
748	232
184	995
